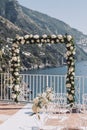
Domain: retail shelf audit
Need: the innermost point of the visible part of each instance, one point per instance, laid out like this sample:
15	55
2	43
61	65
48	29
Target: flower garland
52	39
15	69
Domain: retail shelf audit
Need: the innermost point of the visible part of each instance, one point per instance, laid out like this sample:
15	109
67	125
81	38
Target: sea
80	70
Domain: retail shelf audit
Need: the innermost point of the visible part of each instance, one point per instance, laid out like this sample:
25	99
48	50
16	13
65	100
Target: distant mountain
16	19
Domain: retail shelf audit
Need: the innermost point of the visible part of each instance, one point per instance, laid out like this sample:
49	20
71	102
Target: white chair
84	98
60	98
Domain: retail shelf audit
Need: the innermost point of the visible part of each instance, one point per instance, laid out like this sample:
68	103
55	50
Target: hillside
16	19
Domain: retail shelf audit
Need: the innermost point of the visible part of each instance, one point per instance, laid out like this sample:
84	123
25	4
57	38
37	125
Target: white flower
72	63
71	48
67	79
14	45
73	73
37	40
13	96
18	37
14	54
71	77
68	53
43	94
50	96
72	82
14	58
42	100
69	37
16	73
17	50
44	36
30	35
57	40
74	52
62	40
16	88
72	91
32	41
16	69
27	42
70	58
48	40
18	79
22	42
68	44
53	36
42	40
35	109
68	85
36	36
11	69
26	36
49	89
36	100
71	69
60	37
70	97
52	41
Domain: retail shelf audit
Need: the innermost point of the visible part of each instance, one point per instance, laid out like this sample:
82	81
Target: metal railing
33	84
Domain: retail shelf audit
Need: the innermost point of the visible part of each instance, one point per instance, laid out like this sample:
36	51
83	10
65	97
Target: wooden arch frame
44	39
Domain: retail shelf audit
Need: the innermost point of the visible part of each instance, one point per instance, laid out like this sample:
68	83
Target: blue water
80	69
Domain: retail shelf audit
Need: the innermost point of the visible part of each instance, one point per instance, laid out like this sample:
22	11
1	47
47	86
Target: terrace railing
33	84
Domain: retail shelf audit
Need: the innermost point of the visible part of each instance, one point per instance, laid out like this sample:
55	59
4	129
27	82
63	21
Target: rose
53	36
14	58
44	36
16	73
68	44
71	48
69	37
14	45
36	36
60	37
17	51
70	97
22	41
16	87
19	38
68	53
13	96
68	85
30	36
71	69
26	36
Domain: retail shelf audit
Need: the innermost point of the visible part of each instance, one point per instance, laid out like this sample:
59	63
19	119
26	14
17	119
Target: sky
72	12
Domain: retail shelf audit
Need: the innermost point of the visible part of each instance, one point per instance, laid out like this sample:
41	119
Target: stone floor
8	109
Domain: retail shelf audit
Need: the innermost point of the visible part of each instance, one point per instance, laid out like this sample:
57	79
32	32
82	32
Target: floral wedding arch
44	39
